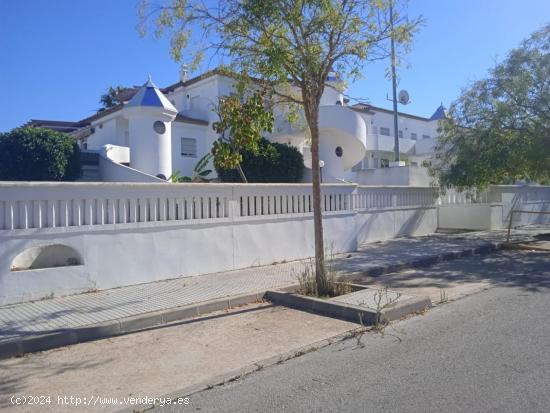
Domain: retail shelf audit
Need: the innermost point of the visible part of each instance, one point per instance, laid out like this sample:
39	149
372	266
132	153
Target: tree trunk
320	273
241	173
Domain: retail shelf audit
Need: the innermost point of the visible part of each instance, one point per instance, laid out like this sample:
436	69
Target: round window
339	151
159	127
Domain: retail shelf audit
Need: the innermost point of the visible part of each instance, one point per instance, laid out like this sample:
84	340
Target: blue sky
58	57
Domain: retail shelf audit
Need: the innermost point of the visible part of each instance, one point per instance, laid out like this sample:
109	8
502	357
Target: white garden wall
470	216
491	209
116	234
126	233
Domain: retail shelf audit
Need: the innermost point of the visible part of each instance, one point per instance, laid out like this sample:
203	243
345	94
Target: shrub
38	154
274	162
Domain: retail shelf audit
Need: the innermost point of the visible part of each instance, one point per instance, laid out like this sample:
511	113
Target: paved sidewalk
37	318
390	256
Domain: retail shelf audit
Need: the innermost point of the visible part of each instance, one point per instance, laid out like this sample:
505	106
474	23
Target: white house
155	132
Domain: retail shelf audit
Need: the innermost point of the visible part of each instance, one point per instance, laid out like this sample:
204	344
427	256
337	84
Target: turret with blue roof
150	115
149	95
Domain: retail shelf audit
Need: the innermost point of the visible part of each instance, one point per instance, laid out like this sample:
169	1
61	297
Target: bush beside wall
274	163
38	154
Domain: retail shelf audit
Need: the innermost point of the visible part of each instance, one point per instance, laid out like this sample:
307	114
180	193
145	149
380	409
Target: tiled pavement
40	317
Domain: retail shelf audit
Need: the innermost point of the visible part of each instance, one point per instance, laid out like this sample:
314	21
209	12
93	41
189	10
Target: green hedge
38	154
274	163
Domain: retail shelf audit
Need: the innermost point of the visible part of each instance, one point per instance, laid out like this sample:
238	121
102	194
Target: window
384	163
385	131
400	134
339	151
414	136
425	136
159	127
189	147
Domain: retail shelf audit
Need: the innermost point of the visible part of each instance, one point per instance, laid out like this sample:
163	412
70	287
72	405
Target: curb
349	312
113	328
249	369
525	247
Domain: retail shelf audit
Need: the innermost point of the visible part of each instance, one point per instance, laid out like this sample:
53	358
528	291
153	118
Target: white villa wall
402	176
106	132
407	145
200	98
470	216
523	198
492	209
186	164
134	233
425	146
111	171
377	142
331	95
120	154
150	152
406	124
125	233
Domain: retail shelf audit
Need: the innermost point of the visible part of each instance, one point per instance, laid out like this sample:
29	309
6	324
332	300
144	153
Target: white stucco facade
355	140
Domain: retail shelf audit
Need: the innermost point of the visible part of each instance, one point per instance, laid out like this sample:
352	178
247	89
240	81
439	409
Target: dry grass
308	283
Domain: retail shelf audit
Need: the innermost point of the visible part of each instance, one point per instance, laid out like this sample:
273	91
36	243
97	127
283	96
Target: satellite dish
403	97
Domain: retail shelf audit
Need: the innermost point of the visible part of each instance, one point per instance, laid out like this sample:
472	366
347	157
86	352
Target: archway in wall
46	256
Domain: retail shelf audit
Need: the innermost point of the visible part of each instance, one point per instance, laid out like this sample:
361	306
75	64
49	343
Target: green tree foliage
288	47
498	131
38	154
110	98
272	163
240	125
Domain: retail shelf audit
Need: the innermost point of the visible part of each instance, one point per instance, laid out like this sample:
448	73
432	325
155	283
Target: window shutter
189	147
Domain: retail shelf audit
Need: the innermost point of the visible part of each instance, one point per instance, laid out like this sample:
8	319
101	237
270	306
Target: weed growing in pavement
443	297
308	283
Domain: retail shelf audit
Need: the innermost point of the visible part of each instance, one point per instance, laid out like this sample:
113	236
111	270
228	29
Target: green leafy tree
273	162
288	47
241	124
498	131
110	98
38	154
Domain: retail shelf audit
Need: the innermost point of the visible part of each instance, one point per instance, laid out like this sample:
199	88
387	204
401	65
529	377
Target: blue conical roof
440	113
150	95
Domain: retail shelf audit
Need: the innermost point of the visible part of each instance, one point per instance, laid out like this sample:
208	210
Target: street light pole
394	90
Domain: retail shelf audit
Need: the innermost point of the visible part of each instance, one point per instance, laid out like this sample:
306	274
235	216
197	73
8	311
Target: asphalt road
488	352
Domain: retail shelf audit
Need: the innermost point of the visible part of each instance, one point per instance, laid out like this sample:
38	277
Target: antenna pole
394	87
